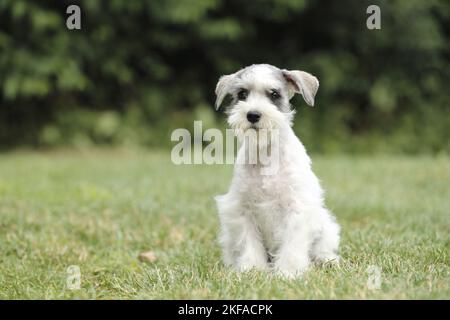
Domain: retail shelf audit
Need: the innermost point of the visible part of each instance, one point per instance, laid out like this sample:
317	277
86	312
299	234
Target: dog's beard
261	139
270	120
261	147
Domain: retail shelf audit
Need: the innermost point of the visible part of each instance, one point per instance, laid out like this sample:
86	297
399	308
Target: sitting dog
277	220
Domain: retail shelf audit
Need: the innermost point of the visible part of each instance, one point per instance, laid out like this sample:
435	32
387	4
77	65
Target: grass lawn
99	209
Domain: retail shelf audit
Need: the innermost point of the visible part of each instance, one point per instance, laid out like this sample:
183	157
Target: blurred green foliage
139	69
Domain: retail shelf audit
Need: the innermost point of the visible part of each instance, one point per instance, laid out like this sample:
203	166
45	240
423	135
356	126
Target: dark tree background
138	69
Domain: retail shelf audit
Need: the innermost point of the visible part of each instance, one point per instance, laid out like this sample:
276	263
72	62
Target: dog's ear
302	82
223	88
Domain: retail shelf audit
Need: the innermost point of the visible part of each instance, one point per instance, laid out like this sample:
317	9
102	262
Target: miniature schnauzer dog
273	221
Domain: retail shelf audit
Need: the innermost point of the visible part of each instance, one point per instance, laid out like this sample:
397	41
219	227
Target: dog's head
260	96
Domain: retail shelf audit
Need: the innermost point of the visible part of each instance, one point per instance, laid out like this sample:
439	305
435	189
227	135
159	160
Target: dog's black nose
253	116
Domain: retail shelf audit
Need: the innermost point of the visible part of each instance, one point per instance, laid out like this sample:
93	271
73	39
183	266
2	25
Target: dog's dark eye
275	95
242	94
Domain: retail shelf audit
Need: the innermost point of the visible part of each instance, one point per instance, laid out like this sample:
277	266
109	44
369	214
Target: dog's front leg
242	245
252	252
240	239
292	258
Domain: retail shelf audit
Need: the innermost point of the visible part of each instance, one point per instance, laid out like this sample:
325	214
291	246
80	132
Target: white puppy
275	219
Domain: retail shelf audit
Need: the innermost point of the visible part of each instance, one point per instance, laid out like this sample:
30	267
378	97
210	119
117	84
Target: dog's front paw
247	263
327	260
291	267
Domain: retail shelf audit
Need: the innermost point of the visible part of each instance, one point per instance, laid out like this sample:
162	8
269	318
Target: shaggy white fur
273	221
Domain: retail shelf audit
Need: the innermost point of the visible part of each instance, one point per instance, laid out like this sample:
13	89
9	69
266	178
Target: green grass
100	209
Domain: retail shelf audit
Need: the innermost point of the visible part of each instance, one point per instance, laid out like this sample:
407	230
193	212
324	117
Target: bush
137	69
